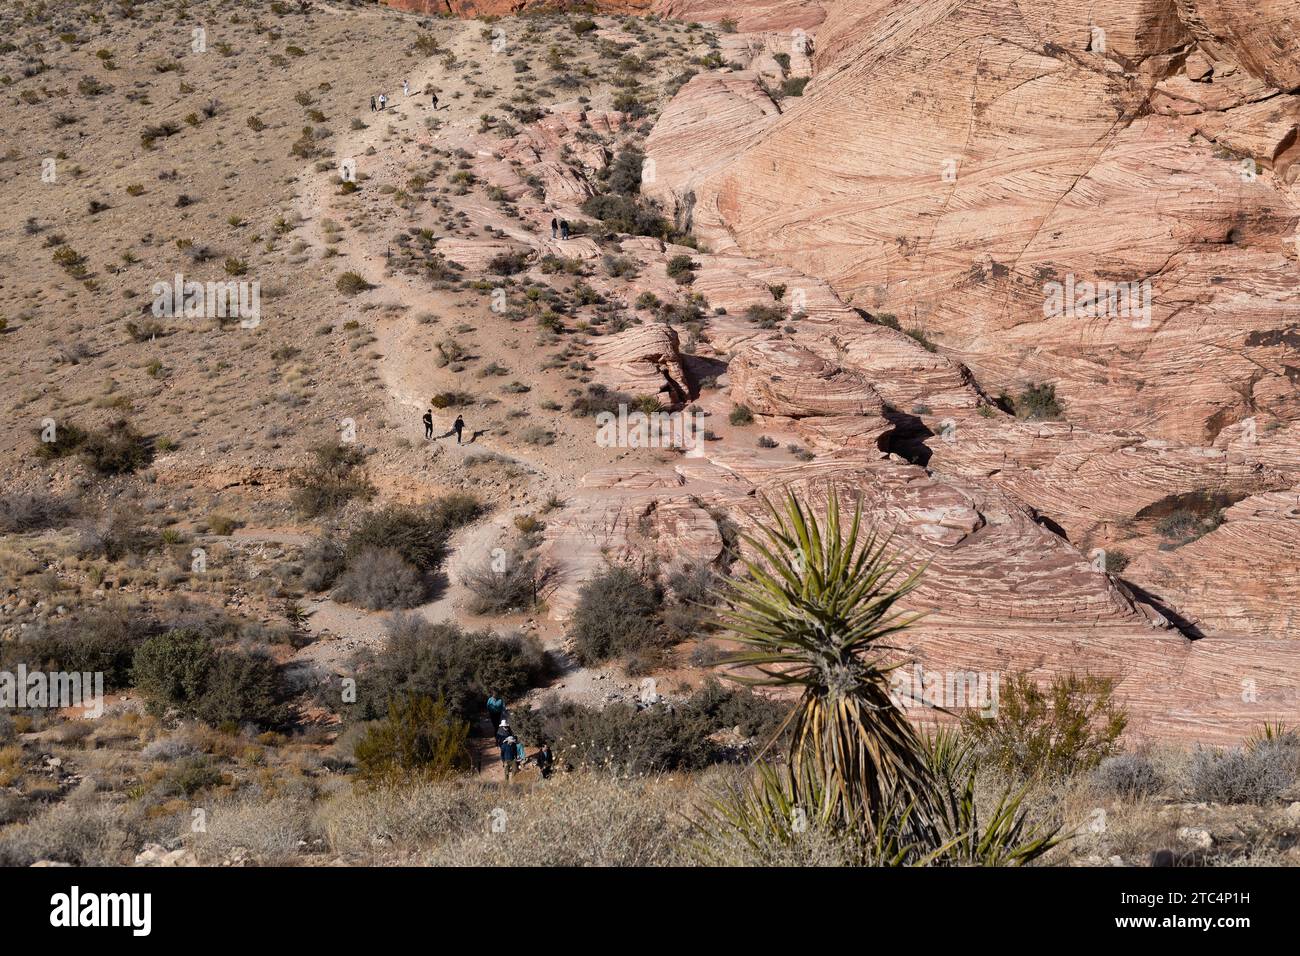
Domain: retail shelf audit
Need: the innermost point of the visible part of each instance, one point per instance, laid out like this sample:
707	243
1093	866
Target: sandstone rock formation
1011	146
645	360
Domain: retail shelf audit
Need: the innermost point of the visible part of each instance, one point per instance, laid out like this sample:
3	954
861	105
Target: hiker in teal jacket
496	708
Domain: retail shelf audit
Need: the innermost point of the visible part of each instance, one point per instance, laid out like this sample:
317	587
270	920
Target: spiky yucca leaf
816	610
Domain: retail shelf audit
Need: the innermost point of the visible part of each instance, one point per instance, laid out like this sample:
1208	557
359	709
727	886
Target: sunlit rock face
979	169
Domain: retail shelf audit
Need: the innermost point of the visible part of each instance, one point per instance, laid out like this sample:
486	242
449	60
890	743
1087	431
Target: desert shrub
690	610
270	831
617	612
1258	774
352	283
627	740
512	588
223	525
169	669
99	640
241	688
322	563
167	749
418	534
180	669
765	316
33	512
740	415
627	214
443	662
330	481
508	263
682	269
625	172
114	534
76	832
599	398
188	776
1039	401
1128	775
1070	727
66	439
1186	524
116	450
794	86
380	579
419	739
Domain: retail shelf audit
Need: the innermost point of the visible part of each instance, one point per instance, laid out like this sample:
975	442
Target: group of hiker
379	103
513	754
559	228
457	427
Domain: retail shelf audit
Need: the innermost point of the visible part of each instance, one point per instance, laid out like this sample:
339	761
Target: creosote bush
444	662
1065	729
182	670
617	613
419	739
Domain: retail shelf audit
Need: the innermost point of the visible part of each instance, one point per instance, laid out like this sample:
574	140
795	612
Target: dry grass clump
574	820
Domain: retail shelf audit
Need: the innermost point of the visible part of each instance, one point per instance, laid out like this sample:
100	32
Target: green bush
617	613
418	740
1039	402
443	662
352	283
1069	728
740	415
628	214
181	669
418	533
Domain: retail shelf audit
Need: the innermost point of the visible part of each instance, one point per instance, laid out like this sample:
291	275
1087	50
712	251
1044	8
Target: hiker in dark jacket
458	426
502	732
428	423
509	750
545	759
372	104
555	227
564	229
433	98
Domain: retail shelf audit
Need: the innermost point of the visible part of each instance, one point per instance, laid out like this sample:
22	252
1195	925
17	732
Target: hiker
458	426
496	708
503	731
428	424
433	98
406	87
383	101
564	229
555	227
509	747
372	104
544	760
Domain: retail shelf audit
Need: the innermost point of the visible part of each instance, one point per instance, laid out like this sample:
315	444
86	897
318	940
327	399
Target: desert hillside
1018	285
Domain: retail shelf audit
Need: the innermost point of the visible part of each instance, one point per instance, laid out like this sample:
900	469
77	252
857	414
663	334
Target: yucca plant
815	609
